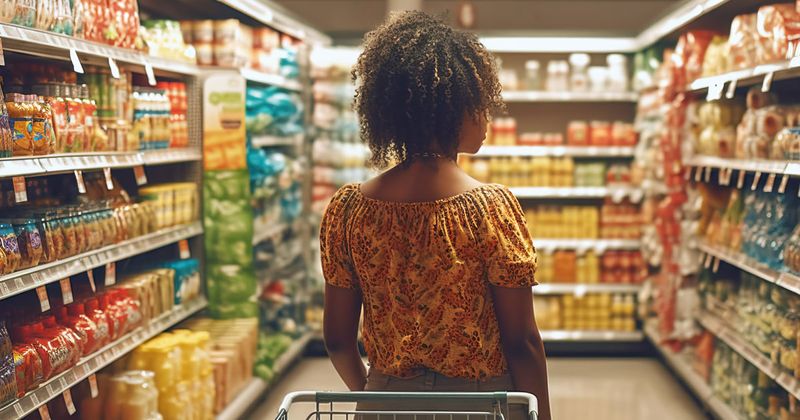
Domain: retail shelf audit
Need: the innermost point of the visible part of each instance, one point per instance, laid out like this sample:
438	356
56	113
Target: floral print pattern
424	270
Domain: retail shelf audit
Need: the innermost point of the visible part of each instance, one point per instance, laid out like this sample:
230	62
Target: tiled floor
597	389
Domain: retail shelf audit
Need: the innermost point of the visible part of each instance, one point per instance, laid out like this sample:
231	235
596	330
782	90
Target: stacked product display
100	171
724	242
339	155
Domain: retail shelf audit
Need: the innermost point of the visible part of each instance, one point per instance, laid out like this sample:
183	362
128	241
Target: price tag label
2	56
707	174
715	267
687	174
20	190
740	181
68	402
112	65
79	180
66	291
141	177
766	85
92	284
715	91
18	283
770	184
731	92
18	409
109	181
111	274
707	261
698	175
44	301
76	62
151	76
44	413
4	289
755	181
93	385
183	247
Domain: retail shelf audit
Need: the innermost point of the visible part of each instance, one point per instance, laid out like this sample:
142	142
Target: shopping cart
326	405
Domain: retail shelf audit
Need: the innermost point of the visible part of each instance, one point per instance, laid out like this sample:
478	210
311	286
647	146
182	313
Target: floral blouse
424	270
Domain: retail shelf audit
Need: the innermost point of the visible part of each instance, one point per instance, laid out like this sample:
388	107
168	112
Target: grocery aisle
596	388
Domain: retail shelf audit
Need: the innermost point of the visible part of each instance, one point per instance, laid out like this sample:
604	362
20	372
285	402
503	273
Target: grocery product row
591	312
503	131
47	110
576	74
609	221
545	171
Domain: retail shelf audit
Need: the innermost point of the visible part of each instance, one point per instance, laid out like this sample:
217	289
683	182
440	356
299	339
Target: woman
442	264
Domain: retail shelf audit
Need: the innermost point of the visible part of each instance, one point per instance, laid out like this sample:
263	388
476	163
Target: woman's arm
340	327
522	343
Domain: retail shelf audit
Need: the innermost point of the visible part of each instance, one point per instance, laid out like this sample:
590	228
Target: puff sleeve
337	264
510	256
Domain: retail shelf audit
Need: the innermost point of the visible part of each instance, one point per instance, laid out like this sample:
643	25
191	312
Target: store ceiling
347	20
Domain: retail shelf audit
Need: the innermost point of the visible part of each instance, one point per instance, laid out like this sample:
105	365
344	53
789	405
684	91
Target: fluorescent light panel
544	44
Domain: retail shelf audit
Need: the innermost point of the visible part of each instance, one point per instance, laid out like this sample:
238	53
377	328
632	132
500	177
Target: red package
28	367
778	25
54	352
103	333
689	54
114	322
84	327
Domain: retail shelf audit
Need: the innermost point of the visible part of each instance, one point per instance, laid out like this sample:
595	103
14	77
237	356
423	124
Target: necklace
425	155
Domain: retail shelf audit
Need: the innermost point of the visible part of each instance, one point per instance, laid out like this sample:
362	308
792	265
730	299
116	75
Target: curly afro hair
417	79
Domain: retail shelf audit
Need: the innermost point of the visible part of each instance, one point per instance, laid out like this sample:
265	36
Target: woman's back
424	269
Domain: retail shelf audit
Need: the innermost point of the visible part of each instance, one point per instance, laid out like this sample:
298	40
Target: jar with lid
533	78
598	79
579	77
617	73
557	76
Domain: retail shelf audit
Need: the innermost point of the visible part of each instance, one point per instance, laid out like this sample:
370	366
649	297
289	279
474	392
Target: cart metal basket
326	405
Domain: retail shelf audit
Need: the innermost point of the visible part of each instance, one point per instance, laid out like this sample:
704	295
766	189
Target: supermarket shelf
685	13
747	77
579	289
576	151
20	281
93	363
694	381
599	245
262	235
617	193
786	280
271	79
715	324
780	167
277	17
53	164
276	141
257	387
545	96
592	336
246	398
48	44
161	157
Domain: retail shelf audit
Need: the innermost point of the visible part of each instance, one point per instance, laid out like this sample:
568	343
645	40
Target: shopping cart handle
358	396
